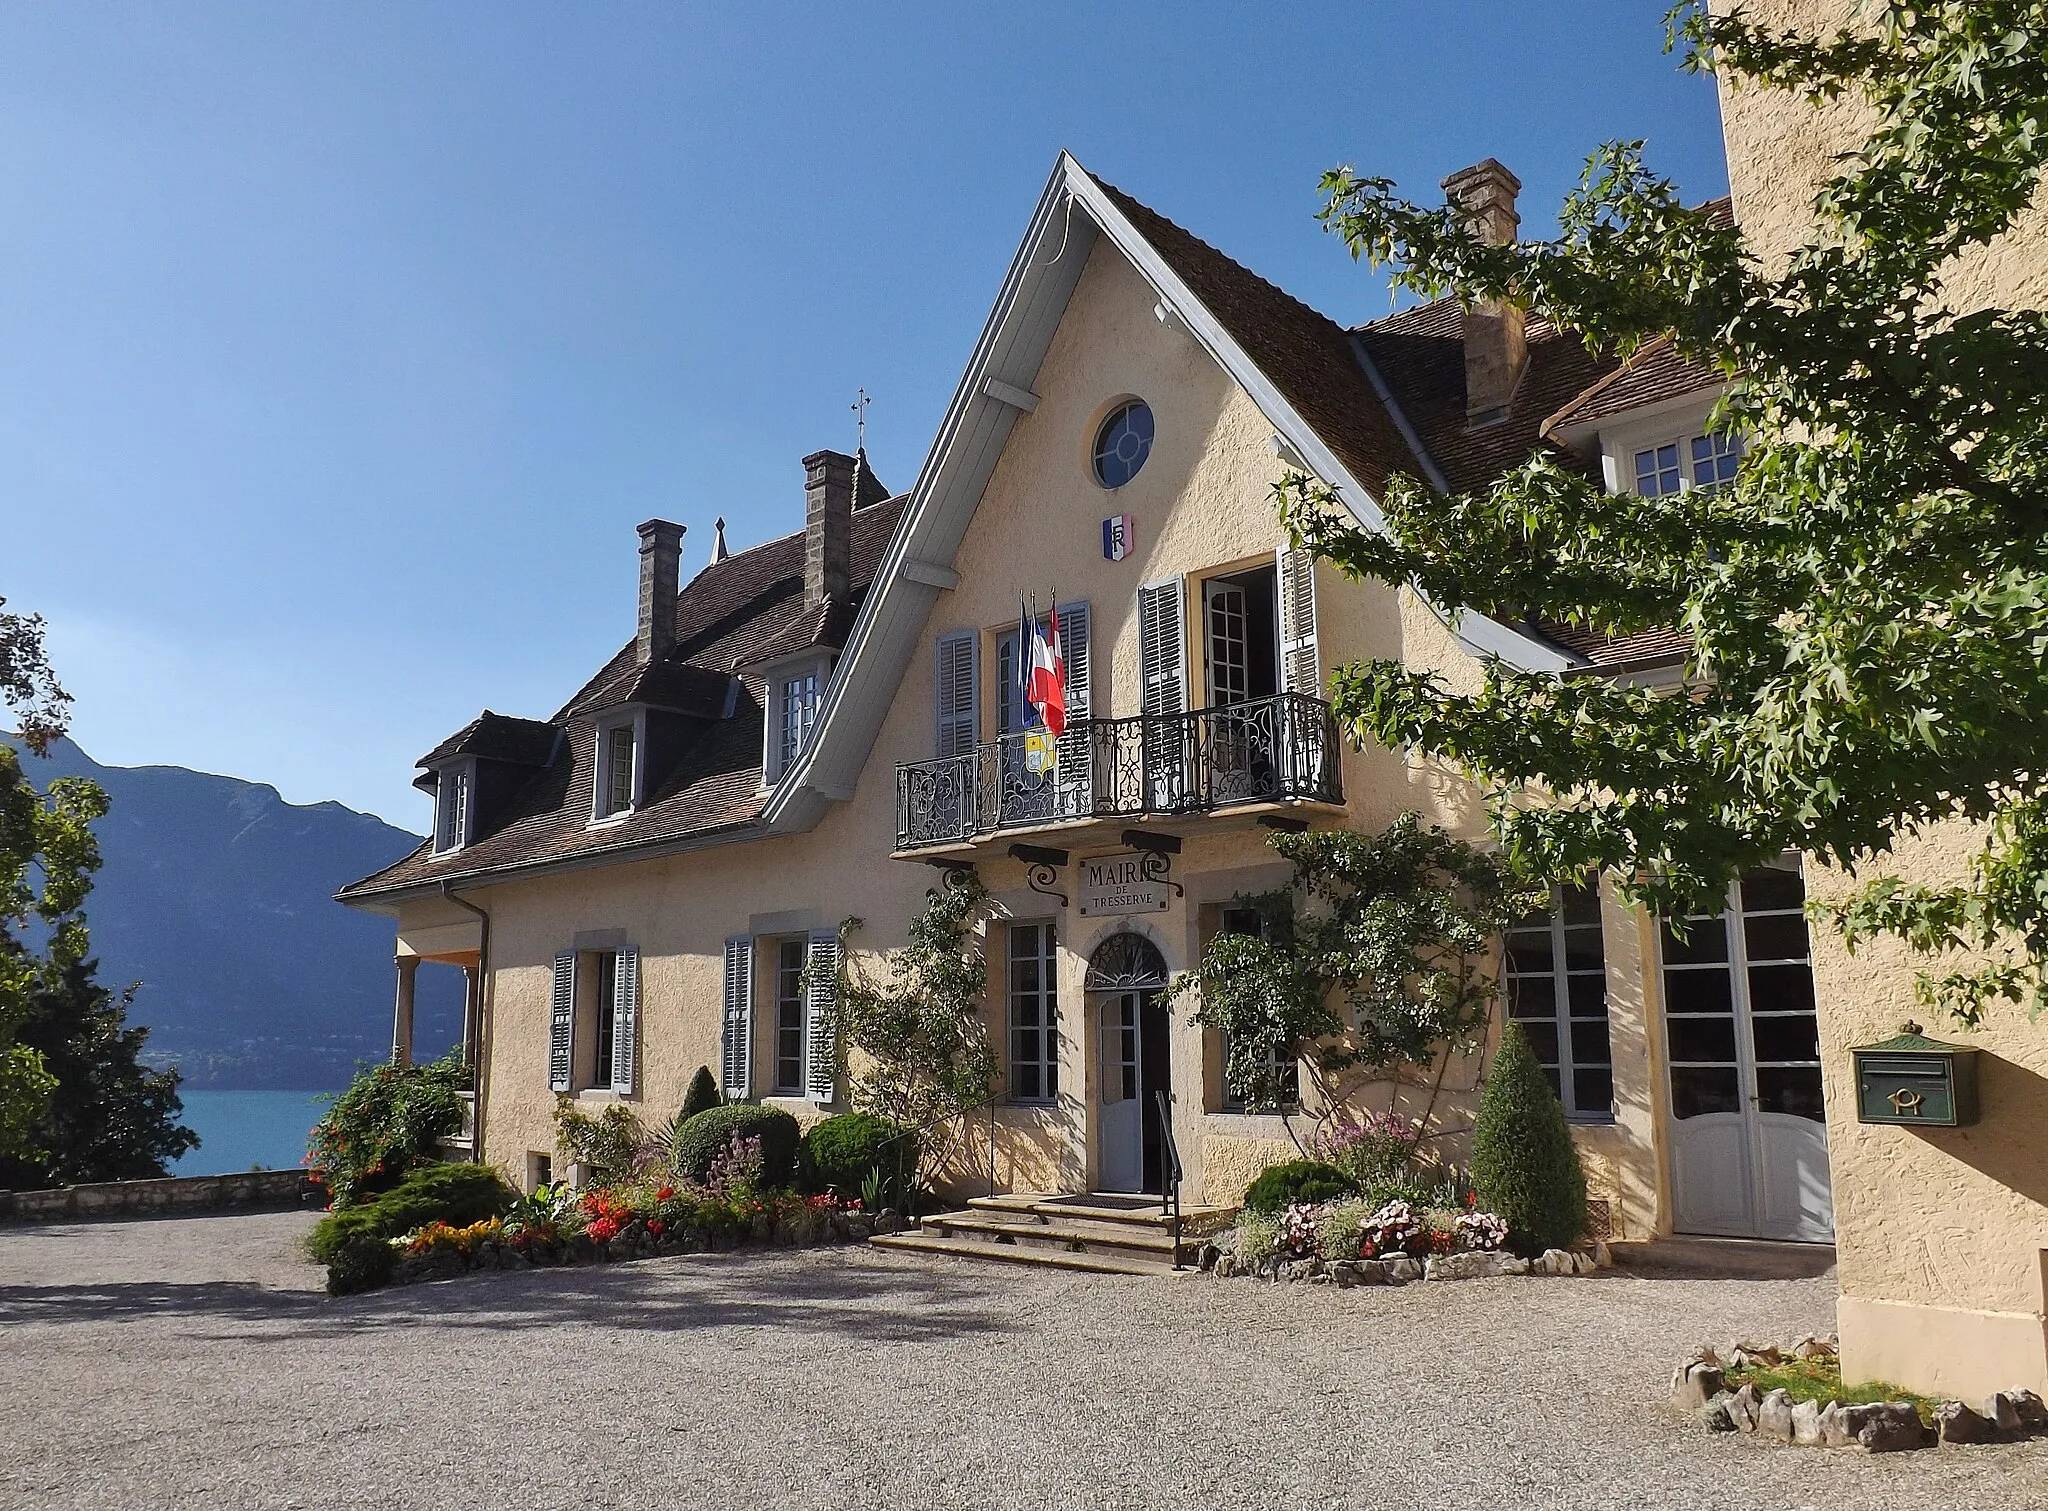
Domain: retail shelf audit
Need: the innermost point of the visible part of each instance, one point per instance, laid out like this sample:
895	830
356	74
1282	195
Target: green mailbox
1916	1080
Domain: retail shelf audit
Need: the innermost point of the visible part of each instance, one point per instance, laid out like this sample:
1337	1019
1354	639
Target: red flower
666	1193
655	1225
604	1230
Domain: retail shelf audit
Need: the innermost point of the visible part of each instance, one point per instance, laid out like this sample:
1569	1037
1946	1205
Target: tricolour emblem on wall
1119	536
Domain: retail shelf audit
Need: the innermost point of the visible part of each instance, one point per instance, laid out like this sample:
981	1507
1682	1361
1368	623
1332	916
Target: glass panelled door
1749	1149
1122	1140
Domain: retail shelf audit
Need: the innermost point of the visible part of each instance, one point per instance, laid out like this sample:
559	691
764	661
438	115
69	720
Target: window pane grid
789	1017
1557	991
1034	1012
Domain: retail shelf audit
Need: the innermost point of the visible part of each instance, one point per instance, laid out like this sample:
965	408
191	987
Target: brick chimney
1496	350
828	526
661	562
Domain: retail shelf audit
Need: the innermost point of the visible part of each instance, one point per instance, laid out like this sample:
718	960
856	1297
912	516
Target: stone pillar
472	1016
401	1018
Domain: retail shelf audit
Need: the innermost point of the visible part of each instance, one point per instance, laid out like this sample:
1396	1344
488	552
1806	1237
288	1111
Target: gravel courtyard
193	1363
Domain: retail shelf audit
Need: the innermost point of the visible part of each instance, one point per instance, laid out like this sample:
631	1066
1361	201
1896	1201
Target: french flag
1045	678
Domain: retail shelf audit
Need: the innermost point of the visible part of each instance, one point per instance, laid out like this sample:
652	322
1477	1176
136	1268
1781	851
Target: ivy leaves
1868	601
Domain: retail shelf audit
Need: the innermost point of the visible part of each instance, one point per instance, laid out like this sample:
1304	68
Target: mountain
218	896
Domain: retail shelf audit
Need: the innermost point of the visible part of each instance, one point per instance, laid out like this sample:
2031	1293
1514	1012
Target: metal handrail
1276	749
1174	1172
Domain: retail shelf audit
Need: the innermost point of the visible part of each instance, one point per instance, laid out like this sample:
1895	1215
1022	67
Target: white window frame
1046	999
456	776
776	676
777	1087
1560	977
1678	424
601	811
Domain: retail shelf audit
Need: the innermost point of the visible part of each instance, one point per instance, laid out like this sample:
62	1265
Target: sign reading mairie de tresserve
1119	884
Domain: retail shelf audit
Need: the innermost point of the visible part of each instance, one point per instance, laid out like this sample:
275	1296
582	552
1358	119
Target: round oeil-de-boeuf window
1123	443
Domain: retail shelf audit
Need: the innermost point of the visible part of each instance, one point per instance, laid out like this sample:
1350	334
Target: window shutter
1074	649
626	1021
739	1017
1162	647
562	1022
1076	764
1300	671
821	1005
957	693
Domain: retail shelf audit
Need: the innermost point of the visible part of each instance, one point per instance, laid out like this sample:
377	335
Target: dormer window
617	777
796	691
454	803
1699	461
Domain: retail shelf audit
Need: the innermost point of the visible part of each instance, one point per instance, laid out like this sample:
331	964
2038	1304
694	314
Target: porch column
472	1001
401	1018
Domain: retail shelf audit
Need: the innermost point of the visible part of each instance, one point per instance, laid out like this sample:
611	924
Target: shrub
1378	1147
389	1120
454	1194
1524	1164
360	1263
1299	1182
839	1153
607	1146
1341	1228
710	1134
702	1096
1258	1238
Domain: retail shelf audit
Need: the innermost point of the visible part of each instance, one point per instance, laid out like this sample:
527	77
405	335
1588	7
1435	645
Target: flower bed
1796	1395
1356	1242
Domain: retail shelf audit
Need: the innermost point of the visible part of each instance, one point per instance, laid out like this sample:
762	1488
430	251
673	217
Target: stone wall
148	1198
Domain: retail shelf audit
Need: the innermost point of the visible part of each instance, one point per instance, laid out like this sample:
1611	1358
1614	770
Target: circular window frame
1115	410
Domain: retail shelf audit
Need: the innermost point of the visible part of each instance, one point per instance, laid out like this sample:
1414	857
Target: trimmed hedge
703	1094
838	1153
1300	1180
1524	1164
710	1133
348	1242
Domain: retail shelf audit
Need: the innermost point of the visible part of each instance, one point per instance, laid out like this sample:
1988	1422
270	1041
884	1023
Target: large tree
1867	604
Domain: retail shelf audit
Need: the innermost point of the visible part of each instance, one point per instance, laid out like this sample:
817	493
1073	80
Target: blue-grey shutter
958	693
1162	648
1076	754
1300	671
738	1058
625	1008
821	1031
562	1022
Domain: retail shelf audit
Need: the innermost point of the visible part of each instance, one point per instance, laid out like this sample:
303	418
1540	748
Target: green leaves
1867	602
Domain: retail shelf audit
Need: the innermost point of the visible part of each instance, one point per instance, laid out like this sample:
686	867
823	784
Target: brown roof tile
1652	375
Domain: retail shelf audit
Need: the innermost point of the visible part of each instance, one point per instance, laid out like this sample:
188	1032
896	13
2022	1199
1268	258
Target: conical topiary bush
701	1095
1524	1165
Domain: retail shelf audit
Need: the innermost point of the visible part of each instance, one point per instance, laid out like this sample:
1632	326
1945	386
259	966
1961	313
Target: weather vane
860	409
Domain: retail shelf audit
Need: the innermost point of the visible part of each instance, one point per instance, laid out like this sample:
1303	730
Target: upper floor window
1701	461
1557	991
1123	443
798	712
452	804
617	770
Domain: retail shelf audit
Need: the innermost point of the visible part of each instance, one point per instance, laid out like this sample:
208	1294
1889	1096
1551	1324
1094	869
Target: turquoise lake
239	1129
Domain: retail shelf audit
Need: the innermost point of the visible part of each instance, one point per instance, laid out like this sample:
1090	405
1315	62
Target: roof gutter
476	1041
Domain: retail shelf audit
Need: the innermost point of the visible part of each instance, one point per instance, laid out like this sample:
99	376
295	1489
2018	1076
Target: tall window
1557	991
1034	1013
799	712
1285	1067
452	820
789	1018
616	774
604	1016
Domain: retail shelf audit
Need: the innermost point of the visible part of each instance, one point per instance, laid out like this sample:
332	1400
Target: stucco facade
1942	1234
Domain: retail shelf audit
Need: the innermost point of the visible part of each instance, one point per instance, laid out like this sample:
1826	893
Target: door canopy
1126	962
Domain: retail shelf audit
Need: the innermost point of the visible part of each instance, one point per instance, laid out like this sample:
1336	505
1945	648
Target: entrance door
1749	1147
1134	1071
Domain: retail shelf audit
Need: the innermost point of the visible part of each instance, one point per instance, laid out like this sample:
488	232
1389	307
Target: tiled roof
1652	375
1305	354
1643	646
727	616
497	737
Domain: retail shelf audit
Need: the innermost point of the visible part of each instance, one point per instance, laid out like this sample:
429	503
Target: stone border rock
1699	1388
1219	1258
177	1193
812	1229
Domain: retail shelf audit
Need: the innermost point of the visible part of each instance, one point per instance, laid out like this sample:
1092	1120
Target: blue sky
345	345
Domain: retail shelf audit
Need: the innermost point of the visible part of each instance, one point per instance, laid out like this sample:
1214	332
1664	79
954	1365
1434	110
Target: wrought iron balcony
1270	750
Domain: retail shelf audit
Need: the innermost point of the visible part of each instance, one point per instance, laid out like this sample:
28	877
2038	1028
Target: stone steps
965	1248
1105	1234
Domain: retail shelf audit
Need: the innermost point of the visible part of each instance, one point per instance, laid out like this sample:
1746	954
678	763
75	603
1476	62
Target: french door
1749	1146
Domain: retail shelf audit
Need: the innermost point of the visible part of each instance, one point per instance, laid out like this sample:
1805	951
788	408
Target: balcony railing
1265	751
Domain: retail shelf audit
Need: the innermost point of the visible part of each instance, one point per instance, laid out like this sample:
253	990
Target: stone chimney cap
665	531
1487	171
